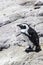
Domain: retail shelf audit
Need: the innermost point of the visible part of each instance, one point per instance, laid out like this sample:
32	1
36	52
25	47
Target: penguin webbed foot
38	49
27	50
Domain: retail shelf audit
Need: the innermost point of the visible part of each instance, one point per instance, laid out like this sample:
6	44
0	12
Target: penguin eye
24	27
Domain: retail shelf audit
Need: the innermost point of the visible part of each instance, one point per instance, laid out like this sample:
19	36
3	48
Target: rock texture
13	45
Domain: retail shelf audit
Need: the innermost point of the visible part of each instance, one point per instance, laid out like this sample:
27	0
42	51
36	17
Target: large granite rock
12	45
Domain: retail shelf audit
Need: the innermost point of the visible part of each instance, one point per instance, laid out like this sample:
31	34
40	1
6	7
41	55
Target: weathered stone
12	43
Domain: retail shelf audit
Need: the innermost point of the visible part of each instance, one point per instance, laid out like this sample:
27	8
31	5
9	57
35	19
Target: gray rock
12	43
39	3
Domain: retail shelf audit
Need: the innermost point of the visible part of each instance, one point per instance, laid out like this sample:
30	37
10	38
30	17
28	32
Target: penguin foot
38	49
27	50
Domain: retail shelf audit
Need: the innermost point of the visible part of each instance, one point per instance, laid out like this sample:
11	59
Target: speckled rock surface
12	46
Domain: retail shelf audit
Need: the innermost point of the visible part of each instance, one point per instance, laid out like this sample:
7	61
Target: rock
37	7
12	43
39	3
40	11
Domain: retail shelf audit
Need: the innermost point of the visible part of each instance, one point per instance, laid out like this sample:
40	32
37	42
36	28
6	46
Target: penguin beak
20	26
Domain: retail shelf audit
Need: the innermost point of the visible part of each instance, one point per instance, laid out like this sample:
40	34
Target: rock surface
12	45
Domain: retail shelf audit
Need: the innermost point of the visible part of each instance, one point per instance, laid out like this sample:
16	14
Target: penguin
28	31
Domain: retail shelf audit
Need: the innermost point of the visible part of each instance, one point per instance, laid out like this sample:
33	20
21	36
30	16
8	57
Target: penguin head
24	28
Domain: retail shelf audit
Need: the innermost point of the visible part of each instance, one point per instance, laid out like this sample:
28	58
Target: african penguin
32	35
